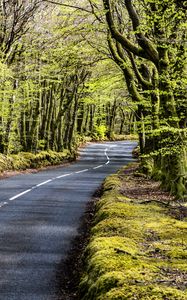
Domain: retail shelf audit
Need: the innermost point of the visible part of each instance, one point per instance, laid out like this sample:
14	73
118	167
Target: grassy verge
137	248
26	160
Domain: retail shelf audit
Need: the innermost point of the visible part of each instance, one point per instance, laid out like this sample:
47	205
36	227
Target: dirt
145	190
138	186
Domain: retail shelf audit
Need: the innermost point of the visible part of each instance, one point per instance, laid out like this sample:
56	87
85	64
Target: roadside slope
26	161
137	248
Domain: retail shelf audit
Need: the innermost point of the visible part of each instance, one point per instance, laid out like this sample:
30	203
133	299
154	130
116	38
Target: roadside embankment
138	242
26	160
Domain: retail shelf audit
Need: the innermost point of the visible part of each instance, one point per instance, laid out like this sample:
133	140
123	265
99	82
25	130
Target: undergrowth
136	251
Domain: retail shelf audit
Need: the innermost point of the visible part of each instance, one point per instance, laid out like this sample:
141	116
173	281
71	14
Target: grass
136	251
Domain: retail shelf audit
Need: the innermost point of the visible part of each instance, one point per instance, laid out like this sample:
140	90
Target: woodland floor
146	190
140	189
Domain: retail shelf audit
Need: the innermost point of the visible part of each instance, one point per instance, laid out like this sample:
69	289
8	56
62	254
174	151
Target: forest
73	71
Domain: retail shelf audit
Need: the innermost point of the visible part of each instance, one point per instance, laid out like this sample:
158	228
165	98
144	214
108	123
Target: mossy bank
26	160
137	248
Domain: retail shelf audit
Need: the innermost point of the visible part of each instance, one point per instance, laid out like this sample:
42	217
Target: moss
5	163
105	283
116	226
25	160
136	152
112	183
136	251
145	293
147	165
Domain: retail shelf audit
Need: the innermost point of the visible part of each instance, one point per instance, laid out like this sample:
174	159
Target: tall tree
150	39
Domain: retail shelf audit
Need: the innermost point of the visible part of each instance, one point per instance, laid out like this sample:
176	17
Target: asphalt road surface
40	214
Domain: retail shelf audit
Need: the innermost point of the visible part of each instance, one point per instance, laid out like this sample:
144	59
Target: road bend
40	215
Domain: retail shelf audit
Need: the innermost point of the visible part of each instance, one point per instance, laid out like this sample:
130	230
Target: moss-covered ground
138	244
26	160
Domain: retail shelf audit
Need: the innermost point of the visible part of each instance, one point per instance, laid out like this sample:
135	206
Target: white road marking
3	204
98	167
42	183
58	177
107	155
19	195
61	176
82	171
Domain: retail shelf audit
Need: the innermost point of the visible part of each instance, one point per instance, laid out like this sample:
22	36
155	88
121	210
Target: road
40	215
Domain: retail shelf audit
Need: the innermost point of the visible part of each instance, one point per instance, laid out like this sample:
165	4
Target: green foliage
100	131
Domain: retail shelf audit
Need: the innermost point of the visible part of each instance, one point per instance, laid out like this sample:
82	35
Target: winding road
40	215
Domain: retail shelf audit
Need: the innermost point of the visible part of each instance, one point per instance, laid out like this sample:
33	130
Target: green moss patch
136	251
25	160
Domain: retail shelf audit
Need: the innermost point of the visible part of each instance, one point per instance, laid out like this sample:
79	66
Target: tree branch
142	40
93	11
121	60
139	76
68	5
125	42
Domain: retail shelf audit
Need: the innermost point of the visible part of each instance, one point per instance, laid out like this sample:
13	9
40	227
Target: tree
151	42
15	16
47	96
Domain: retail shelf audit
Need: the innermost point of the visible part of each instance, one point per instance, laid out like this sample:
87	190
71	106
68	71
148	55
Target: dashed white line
98	167
107	155
3	204
34	187
19	195
61	176
58	177
42	183
82	171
